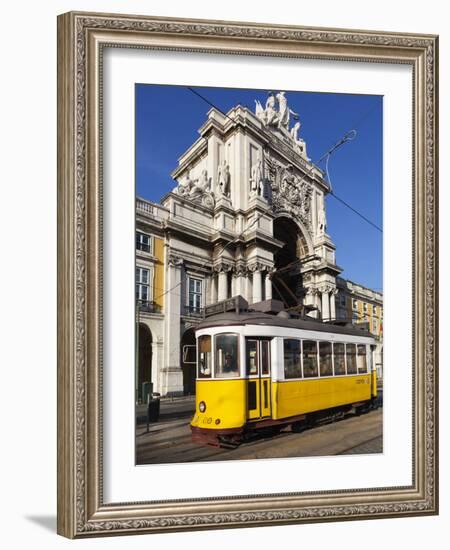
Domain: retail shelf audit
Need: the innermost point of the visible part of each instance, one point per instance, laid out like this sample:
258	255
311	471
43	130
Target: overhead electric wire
349	136
356	211
209	102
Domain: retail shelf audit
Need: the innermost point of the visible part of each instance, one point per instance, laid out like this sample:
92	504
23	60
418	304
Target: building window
143	242
375	326
355	303
342	300
195	295
143	293
365	310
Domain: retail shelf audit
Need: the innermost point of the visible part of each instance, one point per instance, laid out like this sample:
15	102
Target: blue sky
167	122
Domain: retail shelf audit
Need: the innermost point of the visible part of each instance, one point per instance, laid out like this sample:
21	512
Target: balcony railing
193	311
148	307
153	210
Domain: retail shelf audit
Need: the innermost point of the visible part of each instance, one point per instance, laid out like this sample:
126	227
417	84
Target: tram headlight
202	406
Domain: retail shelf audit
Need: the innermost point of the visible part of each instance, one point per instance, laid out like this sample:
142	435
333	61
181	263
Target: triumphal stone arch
246	217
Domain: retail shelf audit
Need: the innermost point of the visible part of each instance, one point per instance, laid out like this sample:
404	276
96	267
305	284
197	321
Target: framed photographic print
247	283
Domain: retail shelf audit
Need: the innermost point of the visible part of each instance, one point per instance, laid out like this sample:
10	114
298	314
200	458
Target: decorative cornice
273	517
252	31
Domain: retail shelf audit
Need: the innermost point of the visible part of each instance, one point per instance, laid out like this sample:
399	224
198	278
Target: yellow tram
261	371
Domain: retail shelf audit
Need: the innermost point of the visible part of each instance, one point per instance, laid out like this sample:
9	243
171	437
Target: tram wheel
229	442
301	425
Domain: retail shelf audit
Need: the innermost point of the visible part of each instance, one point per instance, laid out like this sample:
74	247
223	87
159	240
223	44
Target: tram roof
257	318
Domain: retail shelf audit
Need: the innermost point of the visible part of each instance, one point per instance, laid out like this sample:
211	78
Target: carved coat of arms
290	192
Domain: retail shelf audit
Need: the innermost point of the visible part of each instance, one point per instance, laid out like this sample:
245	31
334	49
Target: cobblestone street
169	439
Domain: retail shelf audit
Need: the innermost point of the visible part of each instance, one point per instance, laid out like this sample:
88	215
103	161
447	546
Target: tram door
259	381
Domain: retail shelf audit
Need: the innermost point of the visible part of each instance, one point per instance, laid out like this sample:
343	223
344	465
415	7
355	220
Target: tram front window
226	356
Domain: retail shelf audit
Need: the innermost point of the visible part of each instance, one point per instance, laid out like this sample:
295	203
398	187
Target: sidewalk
170	407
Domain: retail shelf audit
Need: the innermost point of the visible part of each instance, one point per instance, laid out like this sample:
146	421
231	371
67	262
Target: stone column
248	287
314	212
268	286
257	286
213	298
173	375
333	304
223	283
325	304
309	296
317	301
311	299
157	352
233	284
240	283
222	295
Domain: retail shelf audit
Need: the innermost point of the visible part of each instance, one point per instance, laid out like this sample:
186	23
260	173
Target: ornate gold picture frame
82	39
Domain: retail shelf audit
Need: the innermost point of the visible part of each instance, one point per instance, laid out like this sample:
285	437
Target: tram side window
204	357
351	359
339	359
292	359
325	359
310	359
227	356
361	359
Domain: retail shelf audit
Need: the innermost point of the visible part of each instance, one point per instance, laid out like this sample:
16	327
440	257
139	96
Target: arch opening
287	283
188	361
144	370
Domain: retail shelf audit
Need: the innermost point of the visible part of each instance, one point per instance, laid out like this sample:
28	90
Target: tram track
171	442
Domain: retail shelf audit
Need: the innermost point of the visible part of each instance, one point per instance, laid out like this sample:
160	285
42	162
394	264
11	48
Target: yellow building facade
150	287
362	306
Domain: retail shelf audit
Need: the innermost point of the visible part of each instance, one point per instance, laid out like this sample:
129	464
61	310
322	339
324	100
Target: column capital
257	285
326	289
259	266
240	270
175	261
222	267
312	291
